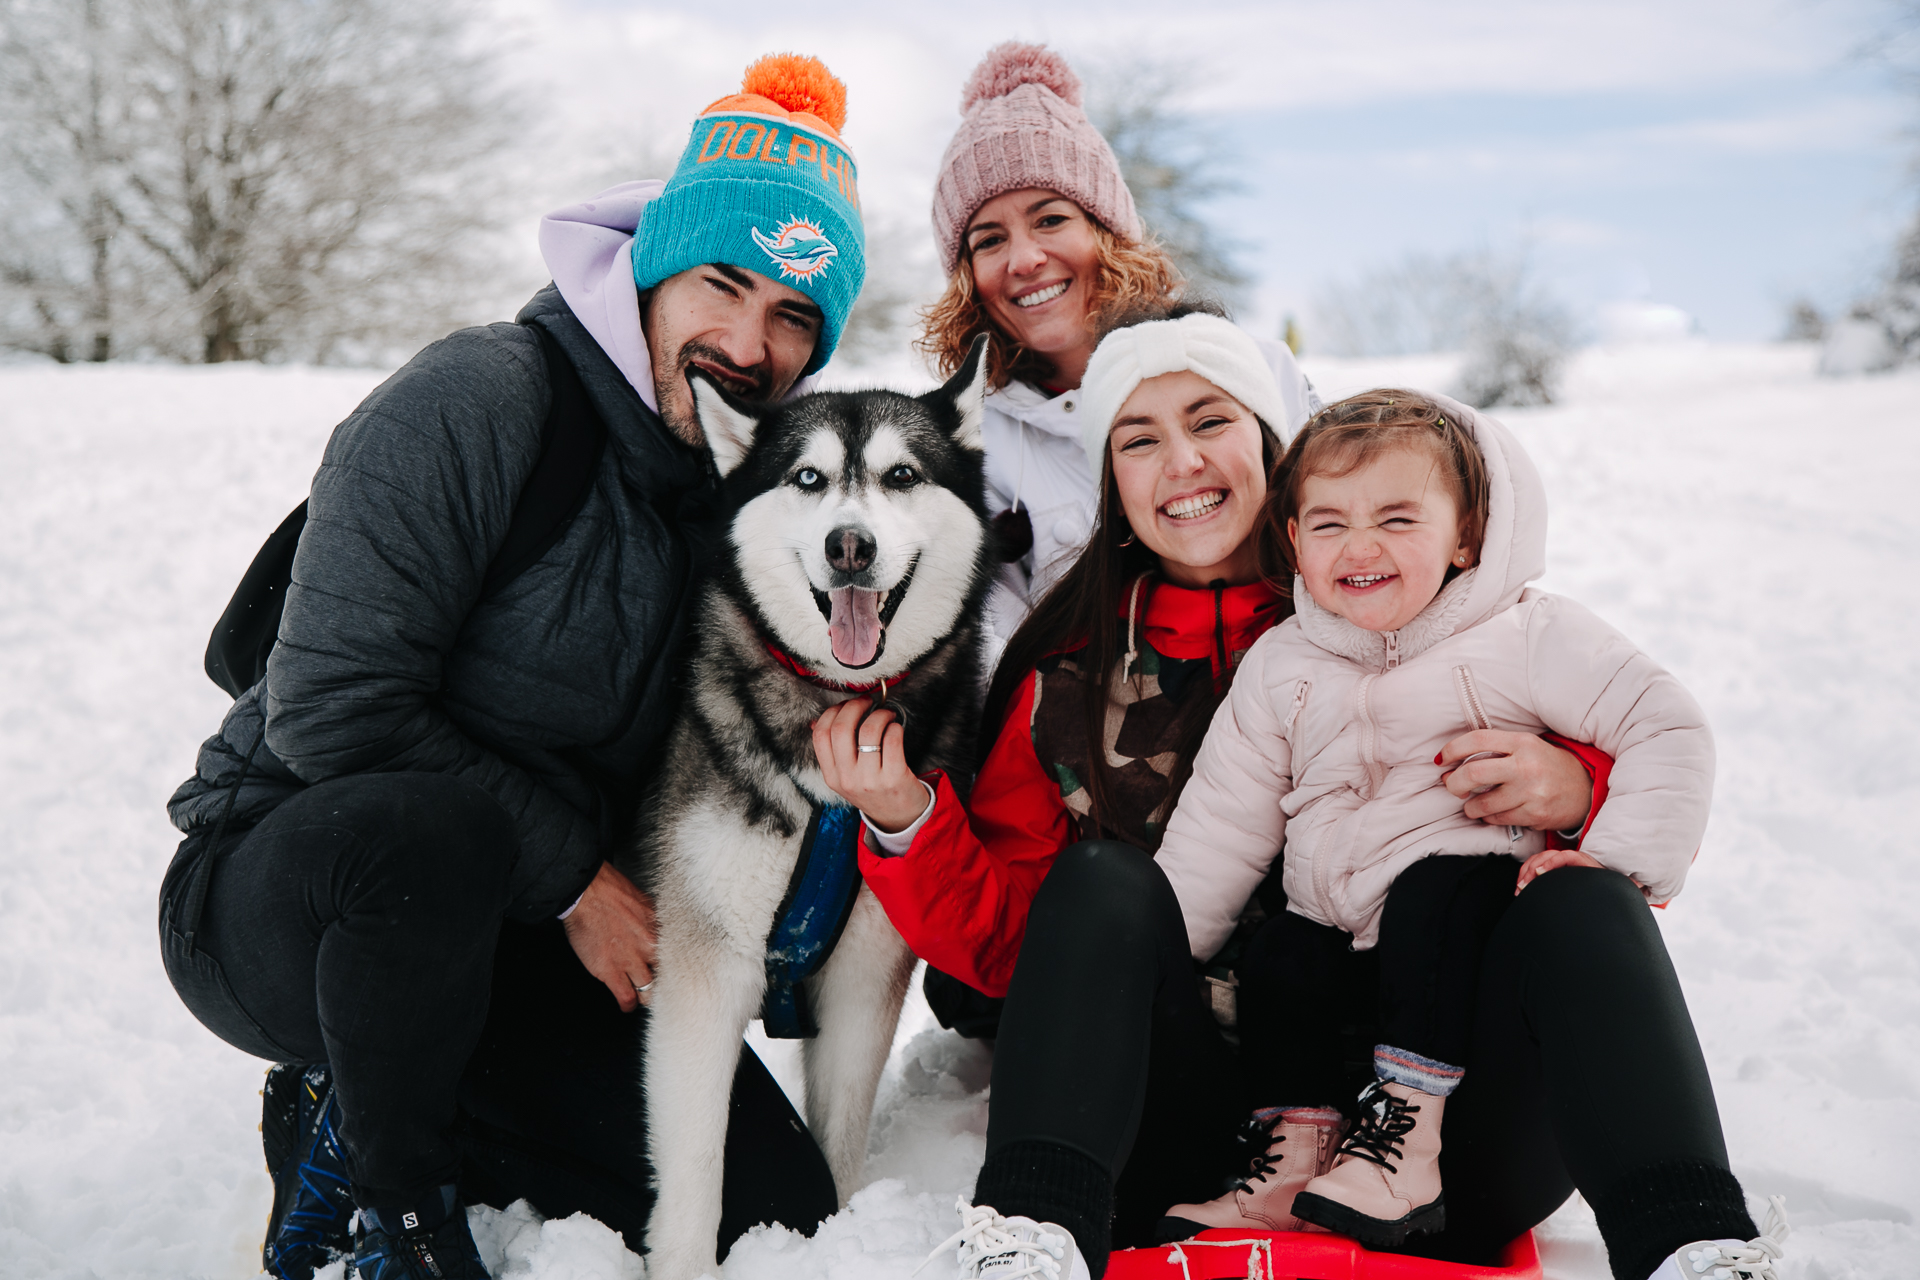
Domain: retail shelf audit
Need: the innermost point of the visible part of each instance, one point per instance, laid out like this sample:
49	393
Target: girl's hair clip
1440	422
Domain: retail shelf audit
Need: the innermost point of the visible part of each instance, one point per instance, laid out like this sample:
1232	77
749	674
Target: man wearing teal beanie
394	878
766	189
745	263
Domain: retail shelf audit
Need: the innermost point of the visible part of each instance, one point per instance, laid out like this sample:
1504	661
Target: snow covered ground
1754	527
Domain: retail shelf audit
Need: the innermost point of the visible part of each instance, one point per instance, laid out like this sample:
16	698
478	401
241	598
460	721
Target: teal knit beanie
766	185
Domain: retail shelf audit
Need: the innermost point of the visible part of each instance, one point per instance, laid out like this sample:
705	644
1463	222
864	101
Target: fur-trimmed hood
1513	554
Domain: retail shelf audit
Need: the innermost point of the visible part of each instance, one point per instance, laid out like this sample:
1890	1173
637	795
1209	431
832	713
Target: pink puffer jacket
1327	740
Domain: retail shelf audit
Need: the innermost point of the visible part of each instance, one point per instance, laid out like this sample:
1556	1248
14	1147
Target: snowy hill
1753	527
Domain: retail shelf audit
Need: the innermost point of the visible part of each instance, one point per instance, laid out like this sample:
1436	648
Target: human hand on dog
878	783
1525	782
612	930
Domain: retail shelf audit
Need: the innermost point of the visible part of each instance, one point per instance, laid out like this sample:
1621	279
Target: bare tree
1489	304
56	239
1804	322
1172	167
227	179
1420	303
902	279
1882	331
1518	337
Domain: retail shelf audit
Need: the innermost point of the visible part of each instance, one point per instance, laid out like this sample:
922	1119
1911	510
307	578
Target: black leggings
1582	1067
361	925
1415	991
1107	1053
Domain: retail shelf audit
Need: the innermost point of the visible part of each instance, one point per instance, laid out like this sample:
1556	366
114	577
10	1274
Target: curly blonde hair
1133	276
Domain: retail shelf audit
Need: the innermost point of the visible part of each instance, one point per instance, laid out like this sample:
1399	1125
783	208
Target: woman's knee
1106	880
1578	915
1106	867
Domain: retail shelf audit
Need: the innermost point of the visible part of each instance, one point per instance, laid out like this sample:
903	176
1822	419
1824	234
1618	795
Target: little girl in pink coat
1415	526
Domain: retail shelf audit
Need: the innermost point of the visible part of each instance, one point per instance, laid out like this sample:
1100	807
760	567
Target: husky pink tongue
854	628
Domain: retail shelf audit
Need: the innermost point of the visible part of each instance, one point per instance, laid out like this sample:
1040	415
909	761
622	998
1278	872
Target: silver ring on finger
642	990
864	748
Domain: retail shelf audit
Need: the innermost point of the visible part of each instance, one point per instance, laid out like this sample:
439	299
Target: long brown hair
1084	612
1133	277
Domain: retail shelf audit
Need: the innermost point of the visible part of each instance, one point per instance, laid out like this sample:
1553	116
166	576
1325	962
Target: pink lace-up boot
1295	1144
1385	1183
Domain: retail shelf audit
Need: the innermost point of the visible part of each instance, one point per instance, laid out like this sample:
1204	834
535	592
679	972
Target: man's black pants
361	924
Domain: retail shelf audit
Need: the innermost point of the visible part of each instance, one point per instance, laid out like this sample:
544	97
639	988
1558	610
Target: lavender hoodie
589	249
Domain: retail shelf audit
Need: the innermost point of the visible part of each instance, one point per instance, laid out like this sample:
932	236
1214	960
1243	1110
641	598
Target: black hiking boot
427	1242
312	1203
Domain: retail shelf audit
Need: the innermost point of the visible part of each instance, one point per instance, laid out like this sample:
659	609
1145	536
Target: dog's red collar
792	664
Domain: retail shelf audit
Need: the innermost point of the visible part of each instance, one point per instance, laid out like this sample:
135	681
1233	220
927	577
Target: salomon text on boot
425	1241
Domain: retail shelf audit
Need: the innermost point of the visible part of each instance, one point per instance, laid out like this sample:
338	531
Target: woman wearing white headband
1115	1095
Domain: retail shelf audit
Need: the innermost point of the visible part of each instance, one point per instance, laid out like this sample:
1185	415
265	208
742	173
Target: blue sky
1725	203
1723	156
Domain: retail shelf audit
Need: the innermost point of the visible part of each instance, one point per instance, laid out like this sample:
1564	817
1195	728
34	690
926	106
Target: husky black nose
849	550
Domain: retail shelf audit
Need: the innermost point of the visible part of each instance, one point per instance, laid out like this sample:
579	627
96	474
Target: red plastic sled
1303	1255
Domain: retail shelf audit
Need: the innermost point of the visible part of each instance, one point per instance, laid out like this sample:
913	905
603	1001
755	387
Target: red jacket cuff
1598	765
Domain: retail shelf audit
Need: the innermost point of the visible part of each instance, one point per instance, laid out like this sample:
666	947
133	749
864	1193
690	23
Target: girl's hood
1513	554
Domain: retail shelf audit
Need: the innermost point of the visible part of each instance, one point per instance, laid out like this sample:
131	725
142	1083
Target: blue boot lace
315	1229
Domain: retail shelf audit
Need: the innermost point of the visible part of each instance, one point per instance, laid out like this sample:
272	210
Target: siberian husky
856	565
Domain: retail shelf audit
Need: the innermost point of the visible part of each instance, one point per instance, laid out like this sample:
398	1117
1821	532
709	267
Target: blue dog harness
819	899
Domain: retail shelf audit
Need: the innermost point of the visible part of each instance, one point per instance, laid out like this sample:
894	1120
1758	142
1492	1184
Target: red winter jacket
959	895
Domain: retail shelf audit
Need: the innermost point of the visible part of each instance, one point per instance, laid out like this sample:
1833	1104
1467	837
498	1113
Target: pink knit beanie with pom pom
1022	126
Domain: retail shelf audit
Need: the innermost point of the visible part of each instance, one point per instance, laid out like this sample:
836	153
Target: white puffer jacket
1327	740
1035	461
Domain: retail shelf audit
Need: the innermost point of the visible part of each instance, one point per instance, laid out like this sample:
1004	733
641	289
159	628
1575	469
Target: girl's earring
1128	540
1461	559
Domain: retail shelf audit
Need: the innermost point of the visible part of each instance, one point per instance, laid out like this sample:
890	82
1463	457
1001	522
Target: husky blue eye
903	477
807	478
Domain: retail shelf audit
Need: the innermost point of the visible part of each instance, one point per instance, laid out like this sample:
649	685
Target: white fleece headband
1218	350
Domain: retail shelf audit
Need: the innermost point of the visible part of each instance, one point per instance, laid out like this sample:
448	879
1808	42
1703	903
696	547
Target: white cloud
1833	124
1640	156
623	69
1253	53
617	73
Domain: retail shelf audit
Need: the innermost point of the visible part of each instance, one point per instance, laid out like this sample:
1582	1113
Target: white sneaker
995	1248
1731	1259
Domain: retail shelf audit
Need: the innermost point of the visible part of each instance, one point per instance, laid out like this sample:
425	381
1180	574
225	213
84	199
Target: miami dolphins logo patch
800	247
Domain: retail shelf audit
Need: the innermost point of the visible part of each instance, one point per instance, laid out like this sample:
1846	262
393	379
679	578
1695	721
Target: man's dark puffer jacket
553	694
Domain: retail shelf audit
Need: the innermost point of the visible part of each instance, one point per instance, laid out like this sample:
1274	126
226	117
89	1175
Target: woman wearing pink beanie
1041	243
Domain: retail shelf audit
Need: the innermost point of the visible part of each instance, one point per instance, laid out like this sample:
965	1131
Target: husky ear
966	390
727	425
